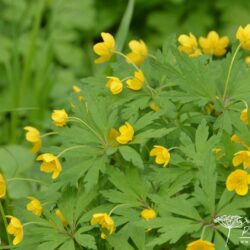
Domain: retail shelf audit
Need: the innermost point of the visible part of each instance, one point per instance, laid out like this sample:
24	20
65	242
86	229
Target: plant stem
5	222
229	73
89	127
50	133
26	179
127	59
114	208
70	148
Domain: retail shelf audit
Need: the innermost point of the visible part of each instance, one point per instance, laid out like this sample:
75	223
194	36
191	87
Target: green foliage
189	106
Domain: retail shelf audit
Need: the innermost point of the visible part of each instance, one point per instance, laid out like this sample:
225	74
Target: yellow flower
216	150
105	49
238	180
189	45
126	133
33	135
59	117
114	84
34	206
242	157
247	61
137	82
2	186
243	35
213	44
15	228
244	116
200	245
106	223
139	52
154	106
148	214
162	155
50	164
113	133
61	217
76	89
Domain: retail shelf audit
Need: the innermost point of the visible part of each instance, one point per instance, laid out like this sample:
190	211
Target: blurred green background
46	46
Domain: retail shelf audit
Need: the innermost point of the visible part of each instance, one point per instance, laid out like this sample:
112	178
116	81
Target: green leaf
85	240
68	245
124	25
131	155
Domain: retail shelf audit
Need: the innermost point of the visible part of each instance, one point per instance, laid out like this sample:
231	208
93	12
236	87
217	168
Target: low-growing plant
147	154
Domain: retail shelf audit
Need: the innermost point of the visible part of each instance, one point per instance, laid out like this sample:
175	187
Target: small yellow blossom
238	180
34	206
60	117
216	150
113	133
162	155
244	116
213	44
200	245
189	45
76	89
137	82
209	108
114	84
2	186
148	214
236	139
33	135
154	106
242	157
106	223
243	35
247	61
51	164
139	52
15	228
126	133
61	217
105	49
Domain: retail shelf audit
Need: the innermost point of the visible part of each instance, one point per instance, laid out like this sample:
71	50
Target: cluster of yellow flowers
139	52
212	44
15	227
239	180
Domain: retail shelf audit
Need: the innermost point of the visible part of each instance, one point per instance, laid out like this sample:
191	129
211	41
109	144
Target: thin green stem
229	72
26	179
70	148
114	208
127	59
34	222
89	127
50	133
203	230
5	222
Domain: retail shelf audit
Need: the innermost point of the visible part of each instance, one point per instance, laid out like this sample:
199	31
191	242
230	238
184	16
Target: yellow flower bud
126	133
114	84
33	135
2	186
243	35
34	206
51	164
189	45
15	228
162	155
60	117
137	82
105	49
139	52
